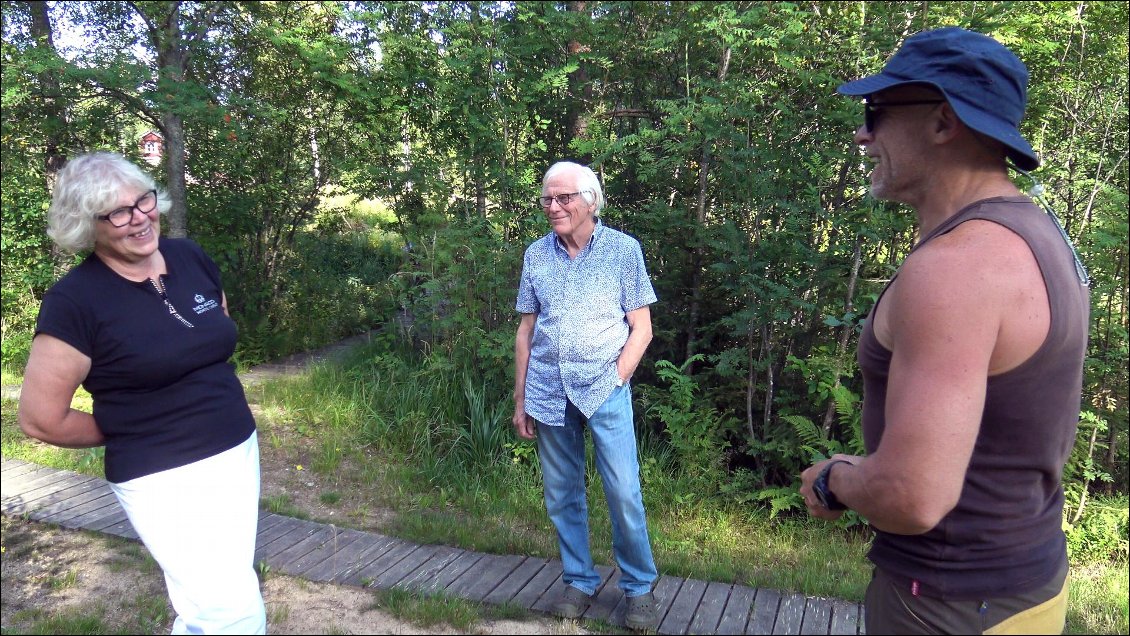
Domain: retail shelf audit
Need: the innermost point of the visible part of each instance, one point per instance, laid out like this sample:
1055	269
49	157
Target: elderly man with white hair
584	297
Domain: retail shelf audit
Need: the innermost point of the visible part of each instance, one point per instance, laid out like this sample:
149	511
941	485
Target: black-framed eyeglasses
122	216
871	110
562	199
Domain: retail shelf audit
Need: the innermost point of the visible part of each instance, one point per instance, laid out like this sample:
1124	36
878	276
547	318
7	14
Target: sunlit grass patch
426	611
282	505
15	445
1098	601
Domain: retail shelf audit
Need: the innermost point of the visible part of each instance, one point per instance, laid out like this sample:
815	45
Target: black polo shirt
165	394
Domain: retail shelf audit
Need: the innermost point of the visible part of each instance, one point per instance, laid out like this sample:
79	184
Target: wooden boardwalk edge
325	553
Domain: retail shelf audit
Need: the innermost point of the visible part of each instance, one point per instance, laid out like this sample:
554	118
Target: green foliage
351	162
1101	534
696	432
481	440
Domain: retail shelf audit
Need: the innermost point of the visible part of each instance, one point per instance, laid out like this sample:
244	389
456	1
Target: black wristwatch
826	497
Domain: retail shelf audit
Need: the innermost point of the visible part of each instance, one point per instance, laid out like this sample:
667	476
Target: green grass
1098	602
75	620
427	611
281	505
15	445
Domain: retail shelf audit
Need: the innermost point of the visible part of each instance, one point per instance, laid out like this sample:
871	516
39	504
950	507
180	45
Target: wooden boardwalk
325	553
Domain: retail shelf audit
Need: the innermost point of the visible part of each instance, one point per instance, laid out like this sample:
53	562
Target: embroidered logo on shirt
203	305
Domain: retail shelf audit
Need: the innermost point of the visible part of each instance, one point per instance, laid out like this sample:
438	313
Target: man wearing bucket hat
972	358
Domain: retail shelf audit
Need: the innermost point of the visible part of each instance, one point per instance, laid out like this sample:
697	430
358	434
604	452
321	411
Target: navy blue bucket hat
984	82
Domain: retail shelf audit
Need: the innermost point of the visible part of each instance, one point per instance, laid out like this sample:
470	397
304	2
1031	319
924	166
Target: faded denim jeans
562	453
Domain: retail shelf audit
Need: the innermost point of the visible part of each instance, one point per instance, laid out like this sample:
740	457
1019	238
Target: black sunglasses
871	111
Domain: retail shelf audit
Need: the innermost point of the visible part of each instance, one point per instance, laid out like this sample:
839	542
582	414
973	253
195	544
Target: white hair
87	186
587	182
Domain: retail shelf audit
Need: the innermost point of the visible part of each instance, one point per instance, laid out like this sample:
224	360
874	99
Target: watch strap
827	498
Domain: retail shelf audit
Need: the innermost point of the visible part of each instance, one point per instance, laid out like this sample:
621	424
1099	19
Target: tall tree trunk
580	88
846	330
172	59
55	123
700	216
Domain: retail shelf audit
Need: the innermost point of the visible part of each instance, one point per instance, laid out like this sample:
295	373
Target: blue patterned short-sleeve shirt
581	327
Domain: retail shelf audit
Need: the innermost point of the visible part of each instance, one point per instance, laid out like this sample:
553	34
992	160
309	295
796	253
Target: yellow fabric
1048	617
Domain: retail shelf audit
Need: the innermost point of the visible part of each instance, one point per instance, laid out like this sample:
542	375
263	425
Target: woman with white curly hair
142	324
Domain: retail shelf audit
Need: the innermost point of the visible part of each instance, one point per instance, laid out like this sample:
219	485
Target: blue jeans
562	453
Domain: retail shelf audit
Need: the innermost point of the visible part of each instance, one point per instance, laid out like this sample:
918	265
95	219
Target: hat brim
871	84
1018	149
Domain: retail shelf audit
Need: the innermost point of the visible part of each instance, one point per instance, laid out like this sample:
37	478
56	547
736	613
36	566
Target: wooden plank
533	590
371	553
266	537
72	485
12	490
266	522
296	531
68	498
453	570
608	597
284	560
817	616
86	502
764	612
790	614
58	480
123	529
845	618
709	612
97	519
666	589
13	485
481	578
738	610
37	497
402	568
342	558
424	577
681	609
397	551
14	465
551	594
337	540
516	581
29	485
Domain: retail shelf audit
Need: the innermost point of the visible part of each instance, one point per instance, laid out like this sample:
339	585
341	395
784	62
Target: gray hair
587	182
87	186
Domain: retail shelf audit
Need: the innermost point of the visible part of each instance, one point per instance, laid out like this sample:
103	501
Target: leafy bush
698	434
1101	533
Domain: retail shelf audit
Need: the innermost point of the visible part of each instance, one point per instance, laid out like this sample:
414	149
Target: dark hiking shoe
572	603
643	612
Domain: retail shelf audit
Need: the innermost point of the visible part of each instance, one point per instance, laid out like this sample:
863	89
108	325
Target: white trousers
199	522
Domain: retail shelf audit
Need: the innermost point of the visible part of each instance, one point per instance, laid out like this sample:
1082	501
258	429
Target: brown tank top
1005	535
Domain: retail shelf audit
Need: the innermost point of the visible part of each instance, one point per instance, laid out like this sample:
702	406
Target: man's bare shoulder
975	254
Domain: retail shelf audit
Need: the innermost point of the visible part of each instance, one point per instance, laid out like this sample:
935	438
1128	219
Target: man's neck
575	242
948	196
